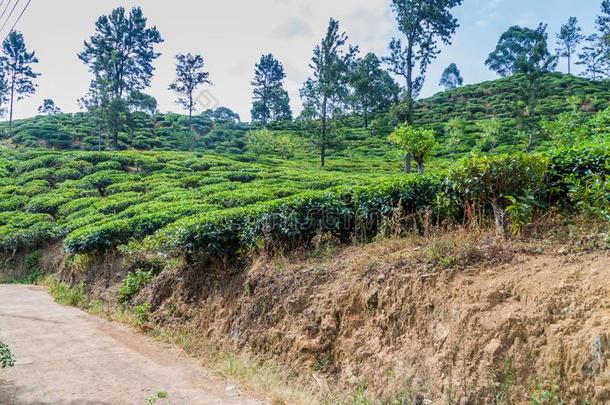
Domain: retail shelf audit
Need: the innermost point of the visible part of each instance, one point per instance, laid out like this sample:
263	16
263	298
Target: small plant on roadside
66	295
133	283
142	315
591	195
520	212
546	394
504	382
156	396
6	357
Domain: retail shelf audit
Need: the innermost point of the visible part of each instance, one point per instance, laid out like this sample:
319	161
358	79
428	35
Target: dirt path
65	356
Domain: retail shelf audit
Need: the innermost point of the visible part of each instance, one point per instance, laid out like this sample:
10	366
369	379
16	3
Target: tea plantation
203	206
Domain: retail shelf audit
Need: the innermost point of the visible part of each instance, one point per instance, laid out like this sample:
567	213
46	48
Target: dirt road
65	356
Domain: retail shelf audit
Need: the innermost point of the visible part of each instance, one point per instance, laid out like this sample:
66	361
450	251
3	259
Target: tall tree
524	51
190	75
424	23
120	56
451	78
19	73
325	93
271	102
568	39
49	107
595	54
374	89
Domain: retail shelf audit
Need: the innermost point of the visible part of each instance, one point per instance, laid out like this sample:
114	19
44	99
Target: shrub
133	283
490	180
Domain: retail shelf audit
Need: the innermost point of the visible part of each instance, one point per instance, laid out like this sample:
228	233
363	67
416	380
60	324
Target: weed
142	314
546	394
64	294
504	383
6	357
156	396
133	283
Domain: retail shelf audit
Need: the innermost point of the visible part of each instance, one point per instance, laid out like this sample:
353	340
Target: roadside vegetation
128	198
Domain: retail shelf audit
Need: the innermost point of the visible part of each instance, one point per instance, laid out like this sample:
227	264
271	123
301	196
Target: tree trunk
569	63
191	112
323	135
420	167
410	84
10	120
115	138
408	163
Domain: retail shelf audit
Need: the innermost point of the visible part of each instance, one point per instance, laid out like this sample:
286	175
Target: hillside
220	130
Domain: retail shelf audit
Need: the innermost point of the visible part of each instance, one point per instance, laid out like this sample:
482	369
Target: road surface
67	357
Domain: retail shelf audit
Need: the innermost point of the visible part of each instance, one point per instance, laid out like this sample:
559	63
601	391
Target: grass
64	294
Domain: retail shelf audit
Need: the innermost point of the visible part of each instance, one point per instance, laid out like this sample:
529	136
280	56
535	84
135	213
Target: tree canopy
424	24
189	76
451	78
325	93
374	90
271	102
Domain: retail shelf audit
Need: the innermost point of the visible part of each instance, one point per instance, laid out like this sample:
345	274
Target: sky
233	34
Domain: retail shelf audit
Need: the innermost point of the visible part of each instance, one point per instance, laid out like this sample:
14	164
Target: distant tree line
121	53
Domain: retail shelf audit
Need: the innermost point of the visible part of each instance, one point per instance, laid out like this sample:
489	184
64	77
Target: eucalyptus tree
451	77
17	64
189	76
49	107
271	102
120	55
325	93
524	51
425	24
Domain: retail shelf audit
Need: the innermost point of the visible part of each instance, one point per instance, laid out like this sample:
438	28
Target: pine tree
325	93
120	56
374	90
271	102
19	74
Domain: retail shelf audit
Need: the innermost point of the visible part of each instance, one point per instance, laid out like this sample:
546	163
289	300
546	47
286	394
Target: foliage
451	78
133	283
374	90
422	31
414	142
591	195
17	61
120	56
325	93
595	55
271	102
74	296
491	180
568	39
6	357
190	75
142	314
48	107
522	50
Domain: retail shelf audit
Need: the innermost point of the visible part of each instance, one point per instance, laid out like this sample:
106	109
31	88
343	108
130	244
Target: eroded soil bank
458	318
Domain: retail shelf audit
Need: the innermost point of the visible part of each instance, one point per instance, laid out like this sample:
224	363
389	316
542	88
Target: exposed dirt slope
389	318
67	357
